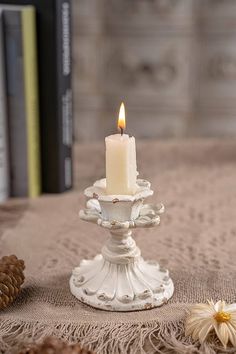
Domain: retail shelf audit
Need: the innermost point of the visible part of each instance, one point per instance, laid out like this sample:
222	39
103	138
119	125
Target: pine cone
11	279
53	345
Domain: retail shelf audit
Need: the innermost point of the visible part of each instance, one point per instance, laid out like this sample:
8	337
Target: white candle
121	168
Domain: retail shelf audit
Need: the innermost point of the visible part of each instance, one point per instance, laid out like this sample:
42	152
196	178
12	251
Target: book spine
64	84
31	99
15	103
4	176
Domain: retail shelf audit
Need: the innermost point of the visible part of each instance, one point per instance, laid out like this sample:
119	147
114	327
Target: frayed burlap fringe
110	338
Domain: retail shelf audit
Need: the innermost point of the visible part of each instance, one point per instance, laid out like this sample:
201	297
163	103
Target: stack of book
35	97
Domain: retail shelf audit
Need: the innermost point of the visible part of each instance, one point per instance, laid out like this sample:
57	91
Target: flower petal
198	329
212	305
222	332
210	302
233	316
195	332
191	323
204	331
195	318
233	323
202	310
230	308
219	306
232	334
202	315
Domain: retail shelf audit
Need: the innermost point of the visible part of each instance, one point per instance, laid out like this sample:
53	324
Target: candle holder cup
119	279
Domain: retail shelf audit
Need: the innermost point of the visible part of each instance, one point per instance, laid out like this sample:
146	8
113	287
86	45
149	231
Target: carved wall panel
157	70
218	72
149	16
173	62
218	15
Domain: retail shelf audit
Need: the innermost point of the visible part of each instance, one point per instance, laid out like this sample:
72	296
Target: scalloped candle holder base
119	279
138	285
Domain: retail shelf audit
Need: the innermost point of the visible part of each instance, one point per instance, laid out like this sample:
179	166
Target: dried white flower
220	317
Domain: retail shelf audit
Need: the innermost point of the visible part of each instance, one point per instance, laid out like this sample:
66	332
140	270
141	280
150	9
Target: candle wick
121	131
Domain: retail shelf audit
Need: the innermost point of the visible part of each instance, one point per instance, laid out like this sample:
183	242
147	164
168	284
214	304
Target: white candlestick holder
119	279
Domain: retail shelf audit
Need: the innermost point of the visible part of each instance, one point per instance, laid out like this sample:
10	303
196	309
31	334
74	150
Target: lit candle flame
121	119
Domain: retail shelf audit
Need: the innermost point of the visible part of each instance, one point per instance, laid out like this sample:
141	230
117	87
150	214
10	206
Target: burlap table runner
196	241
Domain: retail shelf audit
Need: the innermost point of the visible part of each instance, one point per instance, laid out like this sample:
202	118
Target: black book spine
64	98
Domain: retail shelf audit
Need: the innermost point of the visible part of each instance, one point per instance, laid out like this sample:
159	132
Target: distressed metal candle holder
119	279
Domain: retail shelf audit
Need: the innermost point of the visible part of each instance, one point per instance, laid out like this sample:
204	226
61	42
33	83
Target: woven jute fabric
196	180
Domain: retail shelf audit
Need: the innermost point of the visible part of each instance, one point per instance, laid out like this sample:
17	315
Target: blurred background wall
173	63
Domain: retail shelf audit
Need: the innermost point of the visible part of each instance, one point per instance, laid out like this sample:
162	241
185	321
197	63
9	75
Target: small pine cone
53	345
11	279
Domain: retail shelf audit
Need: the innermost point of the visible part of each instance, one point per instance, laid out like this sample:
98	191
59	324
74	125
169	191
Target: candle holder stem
121	248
